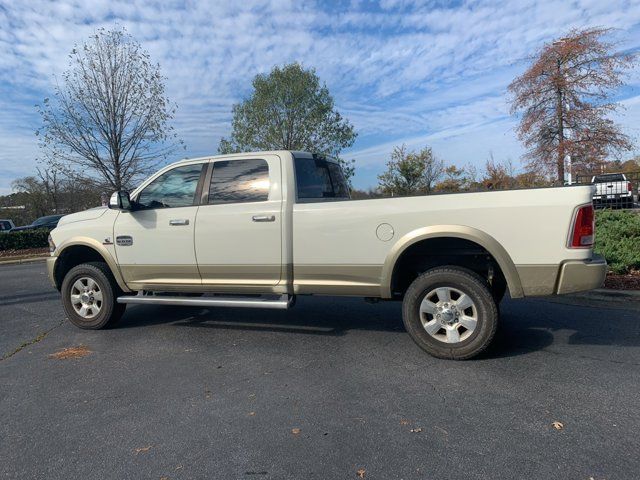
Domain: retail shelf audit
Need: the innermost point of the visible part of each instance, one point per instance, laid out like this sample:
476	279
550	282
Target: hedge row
618	239
24	239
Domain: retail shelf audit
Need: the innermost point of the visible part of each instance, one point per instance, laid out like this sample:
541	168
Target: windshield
608	177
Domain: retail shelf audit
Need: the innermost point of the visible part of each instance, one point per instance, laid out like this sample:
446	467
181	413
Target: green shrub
24	239
618	239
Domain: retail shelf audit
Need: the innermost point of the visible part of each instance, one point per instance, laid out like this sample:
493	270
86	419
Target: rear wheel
450	312
89	294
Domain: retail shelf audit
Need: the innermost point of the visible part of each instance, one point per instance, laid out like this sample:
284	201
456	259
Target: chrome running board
282	302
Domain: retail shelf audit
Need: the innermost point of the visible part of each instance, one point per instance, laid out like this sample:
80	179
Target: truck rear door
238	237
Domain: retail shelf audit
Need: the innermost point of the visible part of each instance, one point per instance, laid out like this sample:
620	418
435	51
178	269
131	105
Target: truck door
238	237
154	242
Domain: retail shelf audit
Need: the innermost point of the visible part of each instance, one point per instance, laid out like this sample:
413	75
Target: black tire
484	309
109	310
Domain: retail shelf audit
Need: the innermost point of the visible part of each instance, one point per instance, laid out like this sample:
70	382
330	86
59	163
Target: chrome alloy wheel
448	314
86	297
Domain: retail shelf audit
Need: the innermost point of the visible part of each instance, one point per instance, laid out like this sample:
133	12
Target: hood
85	215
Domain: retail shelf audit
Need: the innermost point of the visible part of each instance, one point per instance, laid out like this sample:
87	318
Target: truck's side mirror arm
120	200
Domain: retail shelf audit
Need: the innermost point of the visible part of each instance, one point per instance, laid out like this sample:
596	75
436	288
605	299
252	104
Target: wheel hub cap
448	314
86	297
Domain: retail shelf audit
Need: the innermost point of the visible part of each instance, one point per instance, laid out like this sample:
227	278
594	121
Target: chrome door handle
264	218
179	221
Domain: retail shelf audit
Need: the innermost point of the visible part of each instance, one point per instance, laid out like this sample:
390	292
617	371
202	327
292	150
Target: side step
281	302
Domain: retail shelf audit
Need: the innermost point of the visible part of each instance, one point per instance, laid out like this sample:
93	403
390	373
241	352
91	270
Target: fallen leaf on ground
416	430
557	425
252	414
361	473
71	352
142	449
404	422
295	431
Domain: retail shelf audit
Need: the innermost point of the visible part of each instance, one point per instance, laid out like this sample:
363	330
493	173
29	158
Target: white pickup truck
613	189
257	229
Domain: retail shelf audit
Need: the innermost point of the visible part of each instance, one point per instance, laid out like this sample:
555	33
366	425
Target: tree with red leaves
565	101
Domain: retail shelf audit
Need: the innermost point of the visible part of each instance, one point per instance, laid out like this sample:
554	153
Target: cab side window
239	181
175	188
318	179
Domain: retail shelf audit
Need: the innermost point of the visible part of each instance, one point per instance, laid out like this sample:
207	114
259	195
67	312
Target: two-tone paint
345	247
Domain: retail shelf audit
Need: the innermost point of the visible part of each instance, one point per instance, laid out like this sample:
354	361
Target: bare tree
565	100
52	184
498	175
33	195
50	191
411	173
108	121
455	180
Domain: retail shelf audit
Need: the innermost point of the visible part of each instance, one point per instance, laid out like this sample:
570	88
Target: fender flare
457	231
98	248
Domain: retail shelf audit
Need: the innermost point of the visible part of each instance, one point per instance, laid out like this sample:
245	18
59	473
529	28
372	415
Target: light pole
569	180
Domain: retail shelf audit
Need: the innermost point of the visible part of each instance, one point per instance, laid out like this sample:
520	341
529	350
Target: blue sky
416	72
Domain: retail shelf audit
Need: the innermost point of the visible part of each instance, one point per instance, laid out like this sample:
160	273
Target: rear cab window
609	177
319	179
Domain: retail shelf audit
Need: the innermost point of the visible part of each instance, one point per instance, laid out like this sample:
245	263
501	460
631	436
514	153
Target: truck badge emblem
124	240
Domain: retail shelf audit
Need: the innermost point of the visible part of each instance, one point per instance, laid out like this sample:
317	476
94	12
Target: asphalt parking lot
333	388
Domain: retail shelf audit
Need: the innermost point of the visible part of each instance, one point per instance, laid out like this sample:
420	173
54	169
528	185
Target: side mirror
120	201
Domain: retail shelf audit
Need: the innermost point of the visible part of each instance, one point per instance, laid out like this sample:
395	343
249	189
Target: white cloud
412	71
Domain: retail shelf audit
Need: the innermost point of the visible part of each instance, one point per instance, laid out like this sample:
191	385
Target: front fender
100	249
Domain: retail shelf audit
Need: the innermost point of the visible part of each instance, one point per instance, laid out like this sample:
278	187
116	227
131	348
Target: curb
23	260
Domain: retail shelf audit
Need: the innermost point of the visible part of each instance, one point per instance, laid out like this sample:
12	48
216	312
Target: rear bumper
613	197
580	275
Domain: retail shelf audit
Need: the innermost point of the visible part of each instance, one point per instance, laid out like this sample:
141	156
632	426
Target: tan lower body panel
240	274
250	279
161	274
538	280
567	277
357	280
580	276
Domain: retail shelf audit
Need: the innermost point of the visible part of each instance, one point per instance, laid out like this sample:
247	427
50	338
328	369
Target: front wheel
450	312
89	294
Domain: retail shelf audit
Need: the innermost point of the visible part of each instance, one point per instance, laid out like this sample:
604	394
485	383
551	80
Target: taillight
584	228
629	187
